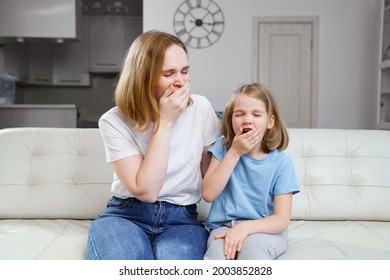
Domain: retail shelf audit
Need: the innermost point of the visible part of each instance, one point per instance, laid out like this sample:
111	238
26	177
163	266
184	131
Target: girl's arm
144	176
273	224
219	173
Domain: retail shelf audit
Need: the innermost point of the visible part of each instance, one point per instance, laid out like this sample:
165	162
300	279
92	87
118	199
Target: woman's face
175	70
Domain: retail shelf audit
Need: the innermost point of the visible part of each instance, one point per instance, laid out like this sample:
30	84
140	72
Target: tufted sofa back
53	173
62	173
343	174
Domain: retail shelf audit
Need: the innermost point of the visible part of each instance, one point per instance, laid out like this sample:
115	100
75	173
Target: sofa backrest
343	174
62	173
53	173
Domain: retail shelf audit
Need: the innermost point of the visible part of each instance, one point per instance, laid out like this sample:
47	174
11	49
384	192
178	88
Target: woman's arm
205	161
145	176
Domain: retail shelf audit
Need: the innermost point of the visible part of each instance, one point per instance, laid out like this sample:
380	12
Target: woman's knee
185	242
116	238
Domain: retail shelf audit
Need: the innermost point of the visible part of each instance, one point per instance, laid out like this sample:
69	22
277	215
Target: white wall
348	48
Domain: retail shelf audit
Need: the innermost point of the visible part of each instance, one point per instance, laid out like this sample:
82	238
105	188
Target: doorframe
314	21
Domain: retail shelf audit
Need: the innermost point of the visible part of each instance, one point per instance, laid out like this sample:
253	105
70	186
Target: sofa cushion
338	240
322	240
43	239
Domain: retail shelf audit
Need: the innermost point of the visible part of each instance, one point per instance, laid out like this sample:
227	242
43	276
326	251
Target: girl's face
250	113
175	70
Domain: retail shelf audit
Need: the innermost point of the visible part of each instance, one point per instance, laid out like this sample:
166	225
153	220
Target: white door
283	54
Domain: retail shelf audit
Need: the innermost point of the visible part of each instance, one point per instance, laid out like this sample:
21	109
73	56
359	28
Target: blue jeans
129	229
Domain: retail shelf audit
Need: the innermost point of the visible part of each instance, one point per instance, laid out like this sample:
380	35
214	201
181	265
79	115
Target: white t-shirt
197	127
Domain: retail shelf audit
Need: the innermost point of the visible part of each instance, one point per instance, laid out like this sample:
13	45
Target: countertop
38	106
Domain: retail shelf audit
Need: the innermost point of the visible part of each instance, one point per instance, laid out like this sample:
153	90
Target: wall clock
199	23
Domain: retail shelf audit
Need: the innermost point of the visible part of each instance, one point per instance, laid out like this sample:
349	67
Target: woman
156	139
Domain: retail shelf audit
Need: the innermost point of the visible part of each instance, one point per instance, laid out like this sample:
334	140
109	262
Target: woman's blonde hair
274	138
135	90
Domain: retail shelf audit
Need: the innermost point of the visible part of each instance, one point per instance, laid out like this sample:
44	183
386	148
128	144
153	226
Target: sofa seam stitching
371	230
57	236
327	240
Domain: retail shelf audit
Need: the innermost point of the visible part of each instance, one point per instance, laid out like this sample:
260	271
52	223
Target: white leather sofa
54	182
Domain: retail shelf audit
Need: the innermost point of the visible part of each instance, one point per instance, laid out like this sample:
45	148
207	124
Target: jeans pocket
190	211
116	202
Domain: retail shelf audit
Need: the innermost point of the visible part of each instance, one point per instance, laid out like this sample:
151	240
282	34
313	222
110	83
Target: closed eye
167	74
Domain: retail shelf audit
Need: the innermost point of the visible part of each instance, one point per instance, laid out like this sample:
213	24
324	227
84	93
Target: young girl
249	180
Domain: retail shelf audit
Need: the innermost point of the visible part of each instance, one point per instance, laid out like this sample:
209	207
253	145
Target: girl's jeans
131	229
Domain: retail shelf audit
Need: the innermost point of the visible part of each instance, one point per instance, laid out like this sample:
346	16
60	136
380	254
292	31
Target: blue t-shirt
249	193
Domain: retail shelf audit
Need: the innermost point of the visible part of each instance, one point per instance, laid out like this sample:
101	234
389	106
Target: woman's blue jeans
130	229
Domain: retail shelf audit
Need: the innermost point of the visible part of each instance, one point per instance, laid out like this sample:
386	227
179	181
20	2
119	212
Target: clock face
198	23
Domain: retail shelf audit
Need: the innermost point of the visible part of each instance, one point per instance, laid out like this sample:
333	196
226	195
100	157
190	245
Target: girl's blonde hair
274	138
135	90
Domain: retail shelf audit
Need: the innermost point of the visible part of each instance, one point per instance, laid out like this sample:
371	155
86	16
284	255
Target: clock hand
209	23
199	22
213	23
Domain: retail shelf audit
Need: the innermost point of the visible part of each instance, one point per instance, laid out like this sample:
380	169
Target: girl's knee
263	246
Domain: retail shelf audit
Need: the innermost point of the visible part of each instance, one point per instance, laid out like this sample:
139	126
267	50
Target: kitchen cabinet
15	61
104	41
49	19
38	115
133	29
71	61
47	63
40	63
109	39
107	43
27	62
